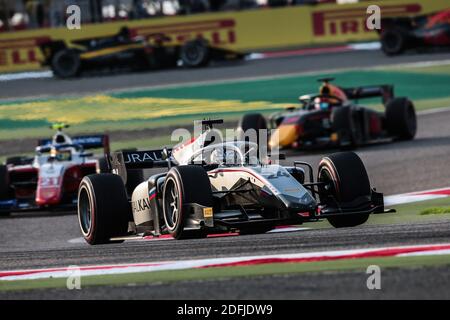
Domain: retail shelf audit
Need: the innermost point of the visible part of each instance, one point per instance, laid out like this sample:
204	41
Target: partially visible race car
154	51
50	179
400	34
214	187
334	118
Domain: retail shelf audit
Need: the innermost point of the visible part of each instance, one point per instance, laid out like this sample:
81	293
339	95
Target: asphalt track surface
230	70
36	240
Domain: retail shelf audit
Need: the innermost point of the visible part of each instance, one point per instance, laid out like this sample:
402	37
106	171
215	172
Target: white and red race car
50	179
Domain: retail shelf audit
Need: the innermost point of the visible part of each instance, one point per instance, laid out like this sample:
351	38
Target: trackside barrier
265	28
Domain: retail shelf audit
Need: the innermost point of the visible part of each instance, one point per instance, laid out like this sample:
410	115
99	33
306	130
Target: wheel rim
192	53
328	190
171	204
392	42
85	211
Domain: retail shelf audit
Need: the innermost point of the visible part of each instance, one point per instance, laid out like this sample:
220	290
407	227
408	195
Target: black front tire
347	178
401	119
185	184
103	208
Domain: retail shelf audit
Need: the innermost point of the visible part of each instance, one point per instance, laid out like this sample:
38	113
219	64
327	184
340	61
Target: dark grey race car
221	187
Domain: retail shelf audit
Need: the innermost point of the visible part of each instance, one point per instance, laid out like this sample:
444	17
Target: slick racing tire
348	131
401	119
347	178
195	53
66	63
249	121
184	184
393	41
4	187
103	208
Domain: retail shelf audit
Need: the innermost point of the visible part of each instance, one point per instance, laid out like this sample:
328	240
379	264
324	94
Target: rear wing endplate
121	161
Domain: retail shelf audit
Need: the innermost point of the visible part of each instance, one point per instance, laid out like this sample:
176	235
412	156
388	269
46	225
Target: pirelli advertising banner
249	30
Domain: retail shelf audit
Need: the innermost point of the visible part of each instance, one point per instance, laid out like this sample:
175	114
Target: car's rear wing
87	142
121	161
386	92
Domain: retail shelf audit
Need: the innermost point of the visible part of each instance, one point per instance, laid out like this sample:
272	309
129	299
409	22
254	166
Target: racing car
213	186
333	118
50	179
400	34
124	49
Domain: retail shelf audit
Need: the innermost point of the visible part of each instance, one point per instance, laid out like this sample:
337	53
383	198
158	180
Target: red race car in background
335	118
400	34
50	179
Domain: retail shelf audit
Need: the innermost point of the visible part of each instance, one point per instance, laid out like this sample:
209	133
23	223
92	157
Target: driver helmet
61	138
336	96
221	156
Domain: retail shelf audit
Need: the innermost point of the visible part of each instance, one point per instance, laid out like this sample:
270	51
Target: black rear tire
66	63
393	41
195	53
347	176
4	185
255	121
103	208
401	119
185	184
349	133
5	191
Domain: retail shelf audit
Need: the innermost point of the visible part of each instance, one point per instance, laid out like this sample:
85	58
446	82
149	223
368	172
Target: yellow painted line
107	51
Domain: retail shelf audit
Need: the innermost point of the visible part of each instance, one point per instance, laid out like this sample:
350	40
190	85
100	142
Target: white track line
93	270
417	196
26	75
